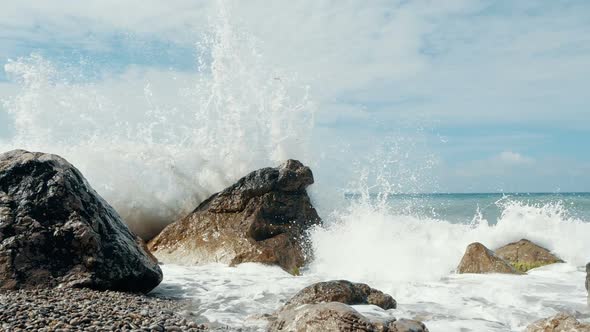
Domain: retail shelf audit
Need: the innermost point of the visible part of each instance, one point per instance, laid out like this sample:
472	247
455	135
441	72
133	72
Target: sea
156	142
410	248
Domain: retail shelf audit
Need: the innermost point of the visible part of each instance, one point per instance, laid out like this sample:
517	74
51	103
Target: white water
155	143
238	297
414	261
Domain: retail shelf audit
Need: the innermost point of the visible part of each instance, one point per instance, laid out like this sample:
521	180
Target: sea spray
155	143
387	248
412	258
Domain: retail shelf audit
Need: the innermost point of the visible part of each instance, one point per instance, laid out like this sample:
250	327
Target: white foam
378	245
239	297
413	260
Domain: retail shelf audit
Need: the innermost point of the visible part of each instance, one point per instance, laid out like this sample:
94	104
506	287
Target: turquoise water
465	207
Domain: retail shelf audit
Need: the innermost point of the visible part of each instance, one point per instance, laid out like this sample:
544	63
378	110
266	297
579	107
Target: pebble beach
89	310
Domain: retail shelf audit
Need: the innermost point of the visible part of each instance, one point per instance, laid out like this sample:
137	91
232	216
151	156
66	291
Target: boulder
55	230
325	306
263	218
559	323
342	291
335	316
479	259
525	255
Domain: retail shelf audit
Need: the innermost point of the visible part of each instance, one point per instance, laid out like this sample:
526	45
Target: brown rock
55	230
344	292
407	325
479	259
325	306
559	323
335	316
263	218
525	255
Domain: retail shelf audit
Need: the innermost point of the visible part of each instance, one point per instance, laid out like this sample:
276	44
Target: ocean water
460	207
412	256
154	143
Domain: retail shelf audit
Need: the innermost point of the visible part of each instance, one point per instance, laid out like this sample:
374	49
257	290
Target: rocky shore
68	262
65	309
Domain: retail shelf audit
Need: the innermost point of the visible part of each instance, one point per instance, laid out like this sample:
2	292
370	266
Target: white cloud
457	63
514	158
453	61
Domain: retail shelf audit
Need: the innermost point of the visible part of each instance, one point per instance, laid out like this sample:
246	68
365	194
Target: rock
262	218
407	325
324	306
588	277
559	323
55	230
525	255
479	259
335	316
331	316
341	291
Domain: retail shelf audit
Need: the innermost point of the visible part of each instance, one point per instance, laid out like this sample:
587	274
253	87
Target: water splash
386	248
154	143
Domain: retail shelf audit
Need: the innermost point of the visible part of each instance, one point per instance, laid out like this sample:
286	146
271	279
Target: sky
475	96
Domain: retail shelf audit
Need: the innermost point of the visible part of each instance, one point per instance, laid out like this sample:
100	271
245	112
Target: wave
372	242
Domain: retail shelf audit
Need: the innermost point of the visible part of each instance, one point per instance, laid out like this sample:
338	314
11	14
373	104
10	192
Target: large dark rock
55	230
559	323
337	317
342	291
525	255
479	259
261	218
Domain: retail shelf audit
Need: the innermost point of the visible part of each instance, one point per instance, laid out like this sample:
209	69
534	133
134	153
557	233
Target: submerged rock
559	323
261	218
55	230
335	316
525	255
479	259
342	291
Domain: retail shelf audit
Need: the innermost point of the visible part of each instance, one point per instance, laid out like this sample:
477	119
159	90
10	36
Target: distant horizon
477	193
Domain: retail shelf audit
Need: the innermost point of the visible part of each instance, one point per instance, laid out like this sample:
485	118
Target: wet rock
335	316
407	325
55	230
341	291
479	259
559	323
325	306
332	316
261	218
525	255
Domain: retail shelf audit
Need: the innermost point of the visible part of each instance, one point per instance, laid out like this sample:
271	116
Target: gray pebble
88	310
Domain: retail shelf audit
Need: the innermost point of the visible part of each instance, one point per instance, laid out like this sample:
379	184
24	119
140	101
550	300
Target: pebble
62	309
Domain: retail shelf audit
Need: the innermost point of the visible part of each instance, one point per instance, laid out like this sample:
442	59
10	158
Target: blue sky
495	91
